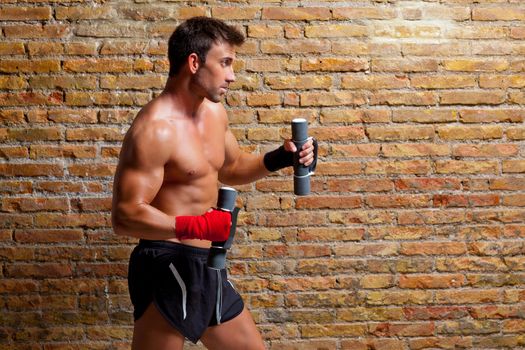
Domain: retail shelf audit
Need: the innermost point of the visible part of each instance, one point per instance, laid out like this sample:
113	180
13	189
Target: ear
193	62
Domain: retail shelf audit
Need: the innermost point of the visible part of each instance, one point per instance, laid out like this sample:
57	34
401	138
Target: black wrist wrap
278	159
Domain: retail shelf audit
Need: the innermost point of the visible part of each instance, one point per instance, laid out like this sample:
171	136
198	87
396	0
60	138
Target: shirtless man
173	156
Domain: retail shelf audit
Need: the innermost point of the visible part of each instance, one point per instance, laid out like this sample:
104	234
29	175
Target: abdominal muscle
189	199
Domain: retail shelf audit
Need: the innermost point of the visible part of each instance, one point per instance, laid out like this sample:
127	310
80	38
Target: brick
296	14
477	32
361	217
341	13
406	31
487	264
414	150
433	248
398	297
444	200
374	82
12	83
285	115
334	65
37	48
488	116
403	329
68	151
346	330
400	133
75	13
472	98
31	98
302	82
397	201
33	31
12	48
403	98
38	271
458	65
106	98
139	82
502	81
328	202
297	46
424	116
25	13
498	14
444	82
331	99
360	150
92	170
29	66
31	170
235	13
470	132
485	150
442	342
354	115
466	167
81	48
430	217
352	48
102	65
513	166
467	296
428	49
48	236
34	204
14	152
335	31
420	167
359	185
265	31
36	134
398	233
426	184
404	65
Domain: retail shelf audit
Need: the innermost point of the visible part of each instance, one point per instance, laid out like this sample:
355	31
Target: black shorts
175	277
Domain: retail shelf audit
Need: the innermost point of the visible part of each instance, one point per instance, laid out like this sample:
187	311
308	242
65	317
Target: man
173	156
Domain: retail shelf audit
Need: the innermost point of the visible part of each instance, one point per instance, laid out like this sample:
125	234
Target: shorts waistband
174	246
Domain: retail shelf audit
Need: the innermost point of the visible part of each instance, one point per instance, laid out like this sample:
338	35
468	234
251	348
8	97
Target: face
211	80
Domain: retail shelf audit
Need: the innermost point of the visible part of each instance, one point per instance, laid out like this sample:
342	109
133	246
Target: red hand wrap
212	226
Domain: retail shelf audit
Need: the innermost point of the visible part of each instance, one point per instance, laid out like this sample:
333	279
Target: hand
307	151
214	225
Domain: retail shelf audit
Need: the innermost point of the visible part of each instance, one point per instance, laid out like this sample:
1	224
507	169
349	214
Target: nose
230	75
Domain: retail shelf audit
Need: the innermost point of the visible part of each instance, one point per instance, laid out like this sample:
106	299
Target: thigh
152	331
239	333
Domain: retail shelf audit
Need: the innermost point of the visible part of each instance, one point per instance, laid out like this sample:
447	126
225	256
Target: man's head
197	35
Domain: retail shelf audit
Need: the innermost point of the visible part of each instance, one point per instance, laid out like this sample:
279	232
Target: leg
239	333
152	331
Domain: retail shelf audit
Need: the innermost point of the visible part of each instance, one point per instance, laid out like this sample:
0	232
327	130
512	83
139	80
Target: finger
308	144
307	158
290	146
306	151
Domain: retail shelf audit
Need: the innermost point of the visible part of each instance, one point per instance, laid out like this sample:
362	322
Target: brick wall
413	238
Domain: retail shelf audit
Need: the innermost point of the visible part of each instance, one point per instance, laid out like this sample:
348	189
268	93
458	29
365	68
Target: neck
178	91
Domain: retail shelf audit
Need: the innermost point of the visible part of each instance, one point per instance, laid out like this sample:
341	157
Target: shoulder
149	139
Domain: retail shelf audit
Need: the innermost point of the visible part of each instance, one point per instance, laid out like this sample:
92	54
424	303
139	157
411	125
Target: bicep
139	184
140	172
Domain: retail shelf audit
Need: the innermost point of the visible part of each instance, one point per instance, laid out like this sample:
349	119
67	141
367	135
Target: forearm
246	169
142	221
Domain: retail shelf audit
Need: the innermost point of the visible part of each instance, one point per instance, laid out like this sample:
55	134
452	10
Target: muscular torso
196	152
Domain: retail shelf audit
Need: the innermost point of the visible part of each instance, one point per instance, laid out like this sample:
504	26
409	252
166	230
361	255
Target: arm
242	168
138	179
